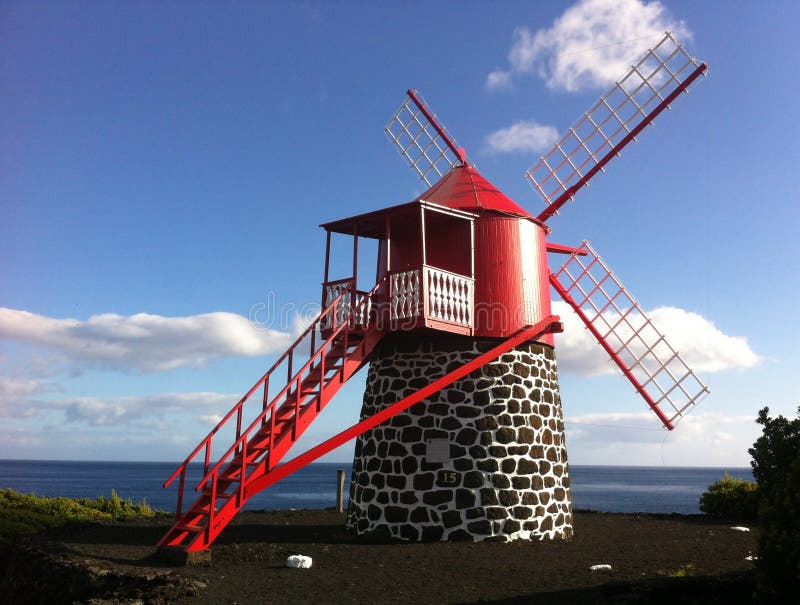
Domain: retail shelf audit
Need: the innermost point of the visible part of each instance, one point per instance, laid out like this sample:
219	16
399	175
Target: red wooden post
208	455
244	469
180	492
355	270
265	400
422	231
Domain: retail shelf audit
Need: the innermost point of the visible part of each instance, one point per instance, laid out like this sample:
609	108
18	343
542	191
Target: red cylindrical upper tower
511	274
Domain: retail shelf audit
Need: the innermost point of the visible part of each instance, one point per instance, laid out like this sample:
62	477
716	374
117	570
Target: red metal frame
561	249
458	151
569	193
611	353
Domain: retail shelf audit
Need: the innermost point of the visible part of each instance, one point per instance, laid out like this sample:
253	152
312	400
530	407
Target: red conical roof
464	188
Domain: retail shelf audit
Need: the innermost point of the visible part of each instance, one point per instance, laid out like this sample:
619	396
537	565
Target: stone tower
483	459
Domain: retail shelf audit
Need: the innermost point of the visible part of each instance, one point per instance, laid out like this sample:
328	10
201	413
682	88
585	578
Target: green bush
29	513
731	498
776	467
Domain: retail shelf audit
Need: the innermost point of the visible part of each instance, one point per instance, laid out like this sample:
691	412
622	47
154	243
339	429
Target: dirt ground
653	558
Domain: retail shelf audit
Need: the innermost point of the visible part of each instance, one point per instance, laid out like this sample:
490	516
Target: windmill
461	435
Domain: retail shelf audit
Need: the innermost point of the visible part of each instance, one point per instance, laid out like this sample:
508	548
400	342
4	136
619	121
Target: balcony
432	298
423	297
425	268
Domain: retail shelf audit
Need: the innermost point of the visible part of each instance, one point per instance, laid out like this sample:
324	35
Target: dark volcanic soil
653	558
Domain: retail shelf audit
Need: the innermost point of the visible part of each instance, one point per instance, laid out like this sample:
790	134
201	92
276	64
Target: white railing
449	296
406	292
438	295
343	309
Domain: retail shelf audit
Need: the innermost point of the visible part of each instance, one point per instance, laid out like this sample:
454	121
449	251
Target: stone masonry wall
482	459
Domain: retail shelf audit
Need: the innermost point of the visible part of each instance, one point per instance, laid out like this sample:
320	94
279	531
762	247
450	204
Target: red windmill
461	431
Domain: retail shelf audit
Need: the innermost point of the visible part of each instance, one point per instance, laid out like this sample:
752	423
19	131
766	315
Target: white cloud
17	400
108	411
15	397
704	439
210	419
142	342
525	135
703	346
12	389
590	45
498	80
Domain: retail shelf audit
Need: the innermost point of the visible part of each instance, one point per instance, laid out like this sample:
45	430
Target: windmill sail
614	121
628	335
422	140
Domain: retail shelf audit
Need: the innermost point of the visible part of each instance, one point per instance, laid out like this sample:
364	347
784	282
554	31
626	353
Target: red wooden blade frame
422	140
614	121
628	335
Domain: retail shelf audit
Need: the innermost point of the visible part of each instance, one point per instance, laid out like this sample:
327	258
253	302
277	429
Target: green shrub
29	513
776	467
731	498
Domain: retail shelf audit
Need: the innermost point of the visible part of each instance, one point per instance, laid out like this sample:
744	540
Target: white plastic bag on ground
603	567
299	562
740	528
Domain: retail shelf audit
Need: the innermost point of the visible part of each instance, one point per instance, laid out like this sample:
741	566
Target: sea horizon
350	462
606	488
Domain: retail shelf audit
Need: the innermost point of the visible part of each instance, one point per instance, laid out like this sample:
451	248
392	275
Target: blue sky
164	168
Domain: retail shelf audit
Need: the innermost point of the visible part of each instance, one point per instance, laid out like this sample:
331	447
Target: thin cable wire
618	426
577	52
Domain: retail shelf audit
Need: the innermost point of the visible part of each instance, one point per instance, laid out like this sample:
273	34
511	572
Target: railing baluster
208	456
271	438
265	401
212	507
181	483
239	422
321	378
296	408
244	469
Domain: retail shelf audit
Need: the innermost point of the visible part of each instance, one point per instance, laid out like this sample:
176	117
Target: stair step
190	528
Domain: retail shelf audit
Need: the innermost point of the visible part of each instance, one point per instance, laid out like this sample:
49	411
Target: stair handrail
243	439
238	405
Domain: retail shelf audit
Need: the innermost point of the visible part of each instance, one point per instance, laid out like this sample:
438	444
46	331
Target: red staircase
339	343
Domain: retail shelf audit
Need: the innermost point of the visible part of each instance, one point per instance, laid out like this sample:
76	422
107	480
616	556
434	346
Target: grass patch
22	514
683	571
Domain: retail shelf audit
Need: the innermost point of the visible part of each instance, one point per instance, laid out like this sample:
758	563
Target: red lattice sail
628	335
422	140
632	104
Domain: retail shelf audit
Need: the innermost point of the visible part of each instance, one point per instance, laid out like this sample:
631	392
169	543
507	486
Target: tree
776	468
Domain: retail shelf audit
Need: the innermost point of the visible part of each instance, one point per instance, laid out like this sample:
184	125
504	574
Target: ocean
602	488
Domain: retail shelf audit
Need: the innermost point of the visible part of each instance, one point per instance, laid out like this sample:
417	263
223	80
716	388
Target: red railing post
180	492
239	422
244	469
212	507
208	456
265	401
321	378
271	438
297	397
